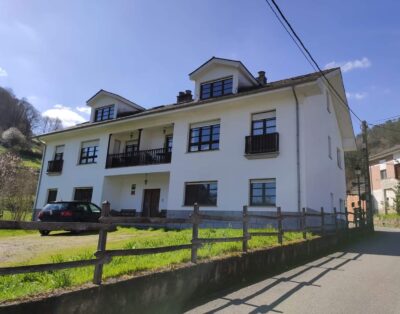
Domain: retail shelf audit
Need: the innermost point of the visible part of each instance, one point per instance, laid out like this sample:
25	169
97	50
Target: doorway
151	201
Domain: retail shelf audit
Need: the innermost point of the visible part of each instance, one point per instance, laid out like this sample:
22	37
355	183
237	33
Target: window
383	174
59	152
263	123
397	171
83	194
216	89
51	195
89	152
204	136
339	158
329	147
131	146
168	143
202	193
94	208
328	102
104	113
263	192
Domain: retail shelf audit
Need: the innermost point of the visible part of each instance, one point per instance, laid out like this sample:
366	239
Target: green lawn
17	286
388	216
27	161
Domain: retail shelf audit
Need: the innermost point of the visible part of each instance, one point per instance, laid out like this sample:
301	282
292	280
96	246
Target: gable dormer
219	77
108	106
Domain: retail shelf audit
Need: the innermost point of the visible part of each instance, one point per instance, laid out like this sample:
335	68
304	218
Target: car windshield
56	206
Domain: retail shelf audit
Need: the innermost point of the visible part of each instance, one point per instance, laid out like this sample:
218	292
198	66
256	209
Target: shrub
13	138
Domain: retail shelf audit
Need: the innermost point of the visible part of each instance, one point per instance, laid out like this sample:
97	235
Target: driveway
364	278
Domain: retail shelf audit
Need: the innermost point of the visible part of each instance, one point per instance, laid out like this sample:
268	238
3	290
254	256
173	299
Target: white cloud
83	109
347	66
3	72
65	114
357	95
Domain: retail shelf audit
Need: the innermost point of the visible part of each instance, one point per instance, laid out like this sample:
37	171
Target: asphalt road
364	278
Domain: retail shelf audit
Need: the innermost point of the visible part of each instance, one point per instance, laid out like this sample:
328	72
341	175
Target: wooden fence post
245	229
101	245
322	221
336	222
303	223
347	217
280	230
195	232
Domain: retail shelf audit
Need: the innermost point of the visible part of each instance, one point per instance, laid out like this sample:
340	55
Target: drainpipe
297	150
39	181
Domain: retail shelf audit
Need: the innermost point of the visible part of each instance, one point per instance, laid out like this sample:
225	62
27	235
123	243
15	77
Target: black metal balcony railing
266	143
139	158
55	166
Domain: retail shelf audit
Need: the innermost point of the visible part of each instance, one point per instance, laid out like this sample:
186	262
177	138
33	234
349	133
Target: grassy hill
31	158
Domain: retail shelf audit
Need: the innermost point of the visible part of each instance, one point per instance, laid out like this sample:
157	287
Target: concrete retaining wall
175	290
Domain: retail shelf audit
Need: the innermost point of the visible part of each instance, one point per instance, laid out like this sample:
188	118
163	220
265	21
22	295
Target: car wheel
44	232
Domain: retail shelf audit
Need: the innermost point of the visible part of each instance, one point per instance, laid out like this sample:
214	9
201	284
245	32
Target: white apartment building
238	140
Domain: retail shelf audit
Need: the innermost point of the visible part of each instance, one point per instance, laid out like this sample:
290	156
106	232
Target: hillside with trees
380	137
20	155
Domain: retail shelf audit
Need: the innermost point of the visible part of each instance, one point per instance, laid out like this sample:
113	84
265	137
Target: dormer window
216	88
104	113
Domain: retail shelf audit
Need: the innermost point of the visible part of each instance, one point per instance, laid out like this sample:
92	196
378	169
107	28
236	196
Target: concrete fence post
322	221
245	229
280	229
101	245
195	232
304	223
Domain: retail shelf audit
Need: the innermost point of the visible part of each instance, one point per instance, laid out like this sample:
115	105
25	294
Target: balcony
139	158
262	146
55	166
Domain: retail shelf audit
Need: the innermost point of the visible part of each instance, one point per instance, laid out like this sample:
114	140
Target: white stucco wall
320	175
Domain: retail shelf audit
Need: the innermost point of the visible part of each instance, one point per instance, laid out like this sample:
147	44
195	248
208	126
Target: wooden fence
109	223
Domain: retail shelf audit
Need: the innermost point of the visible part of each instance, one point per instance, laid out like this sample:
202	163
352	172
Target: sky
57	54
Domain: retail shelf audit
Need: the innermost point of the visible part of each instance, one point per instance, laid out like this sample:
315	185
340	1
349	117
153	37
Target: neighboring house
239	141
385	176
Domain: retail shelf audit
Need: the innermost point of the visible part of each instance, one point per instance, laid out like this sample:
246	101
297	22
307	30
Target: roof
385	152
113	95
231	62
293	81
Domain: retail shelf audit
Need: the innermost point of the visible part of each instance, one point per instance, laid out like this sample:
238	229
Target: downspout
39	181
297	150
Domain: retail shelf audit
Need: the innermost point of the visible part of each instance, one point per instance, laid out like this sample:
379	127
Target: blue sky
59	53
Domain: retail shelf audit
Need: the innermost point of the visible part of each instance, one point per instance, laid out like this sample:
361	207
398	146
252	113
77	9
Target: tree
17	186
13	138
396	199
50	125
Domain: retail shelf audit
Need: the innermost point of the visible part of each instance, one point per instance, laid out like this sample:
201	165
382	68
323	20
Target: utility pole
368	199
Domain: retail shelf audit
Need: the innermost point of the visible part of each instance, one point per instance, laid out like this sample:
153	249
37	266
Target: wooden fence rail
108	224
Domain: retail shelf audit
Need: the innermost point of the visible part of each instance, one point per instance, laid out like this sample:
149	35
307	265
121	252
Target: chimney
262	79
185	96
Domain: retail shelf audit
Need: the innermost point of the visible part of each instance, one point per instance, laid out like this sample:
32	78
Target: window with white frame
339	158
89	151
104	113
51	195
329	147
328	102
262	192
204	136
202	193
263	123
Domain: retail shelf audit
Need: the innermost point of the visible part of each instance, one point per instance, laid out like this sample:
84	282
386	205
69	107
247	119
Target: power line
305	51
387	119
